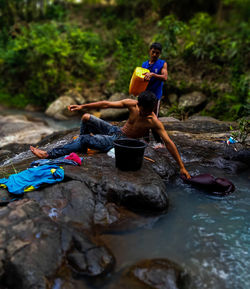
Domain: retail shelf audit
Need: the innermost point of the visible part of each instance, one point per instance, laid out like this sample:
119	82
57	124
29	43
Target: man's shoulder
161	61
145	64
156	122
130	102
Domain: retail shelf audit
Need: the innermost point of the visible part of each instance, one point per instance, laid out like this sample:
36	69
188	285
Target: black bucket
129	154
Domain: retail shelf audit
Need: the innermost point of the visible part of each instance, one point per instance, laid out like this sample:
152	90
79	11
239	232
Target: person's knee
86	117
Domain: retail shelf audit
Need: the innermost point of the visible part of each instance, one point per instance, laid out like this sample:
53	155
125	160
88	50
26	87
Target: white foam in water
16	158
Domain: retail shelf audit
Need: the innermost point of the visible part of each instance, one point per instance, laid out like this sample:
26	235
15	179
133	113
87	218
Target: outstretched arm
125	103
172	148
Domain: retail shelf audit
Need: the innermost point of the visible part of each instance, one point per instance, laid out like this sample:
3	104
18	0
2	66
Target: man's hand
74	107
184	172
148	76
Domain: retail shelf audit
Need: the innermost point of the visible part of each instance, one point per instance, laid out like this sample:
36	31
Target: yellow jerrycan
137	82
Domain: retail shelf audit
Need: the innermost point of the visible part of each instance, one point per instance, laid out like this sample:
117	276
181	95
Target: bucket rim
143	144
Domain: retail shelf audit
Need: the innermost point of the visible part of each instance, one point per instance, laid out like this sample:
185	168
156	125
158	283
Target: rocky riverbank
51	235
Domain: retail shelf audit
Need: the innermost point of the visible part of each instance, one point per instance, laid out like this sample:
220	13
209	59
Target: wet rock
29	237
163	164
2	257
155	274
192	100
229	165
88	257
141	190
56	228
34	246
198	125
4	154
168	119
70	201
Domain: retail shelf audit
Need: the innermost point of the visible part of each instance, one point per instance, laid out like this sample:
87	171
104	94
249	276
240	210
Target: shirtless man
98	134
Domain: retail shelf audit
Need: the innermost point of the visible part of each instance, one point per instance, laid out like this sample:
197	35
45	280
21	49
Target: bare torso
137	126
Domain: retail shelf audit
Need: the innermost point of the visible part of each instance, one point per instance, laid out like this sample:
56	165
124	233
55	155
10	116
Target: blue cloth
155	85
58	161
103	138
32	178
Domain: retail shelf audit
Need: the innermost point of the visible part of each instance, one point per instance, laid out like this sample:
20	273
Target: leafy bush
45	59
130	51
169	29
243	131
201	38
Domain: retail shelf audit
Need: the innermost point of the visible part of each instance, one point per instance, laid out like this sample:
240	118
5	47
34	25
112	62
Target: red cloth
74	157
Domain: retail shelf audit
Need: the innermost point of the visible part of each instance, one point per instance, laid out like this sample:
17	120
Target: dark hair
147	100
156	45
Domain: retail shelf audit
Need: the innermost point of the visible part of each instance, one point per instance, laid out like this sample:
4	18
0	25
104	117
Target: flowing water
209	236
54	123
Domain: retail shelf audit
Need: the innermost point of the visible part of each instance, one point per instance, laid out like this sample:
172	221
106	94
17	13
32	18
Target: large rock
192	100
36	245
155	274
52	235
18	129
28	236
58	108
142	190
198	125
115	114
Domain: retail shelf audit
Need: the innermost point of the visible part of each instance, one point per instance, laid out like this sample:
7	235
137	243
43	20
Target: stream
209	236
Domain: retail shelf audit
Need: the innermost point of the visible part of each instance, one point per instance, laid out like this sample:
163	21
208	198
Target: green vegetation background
48	47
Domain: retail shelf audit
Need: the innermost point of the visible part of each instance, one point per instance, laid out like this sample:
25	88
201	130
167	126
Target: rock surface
51	236
18	129
155	274
192	100
115	114
58	108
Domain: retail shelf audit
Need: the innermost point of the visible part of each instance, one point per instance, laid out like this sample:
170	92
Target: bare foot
39	153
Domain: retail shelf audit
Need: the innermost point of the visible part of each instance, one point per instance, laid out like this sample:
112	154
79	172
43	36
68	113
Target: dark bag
215	186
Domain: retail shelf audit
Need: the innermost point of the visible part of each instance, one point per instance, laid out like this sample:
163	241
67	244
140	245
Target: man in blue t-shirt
158	72
157	75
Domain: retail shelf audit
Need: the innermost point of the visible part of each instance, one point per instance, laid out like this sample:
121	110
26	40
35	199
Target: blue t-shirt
155	85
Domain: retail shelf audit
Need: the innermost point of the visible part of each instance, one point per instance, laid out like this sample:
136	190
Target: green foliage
15	11
44	59
201	38
243	131
169	29
177	112
240	9
130	51
228	107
